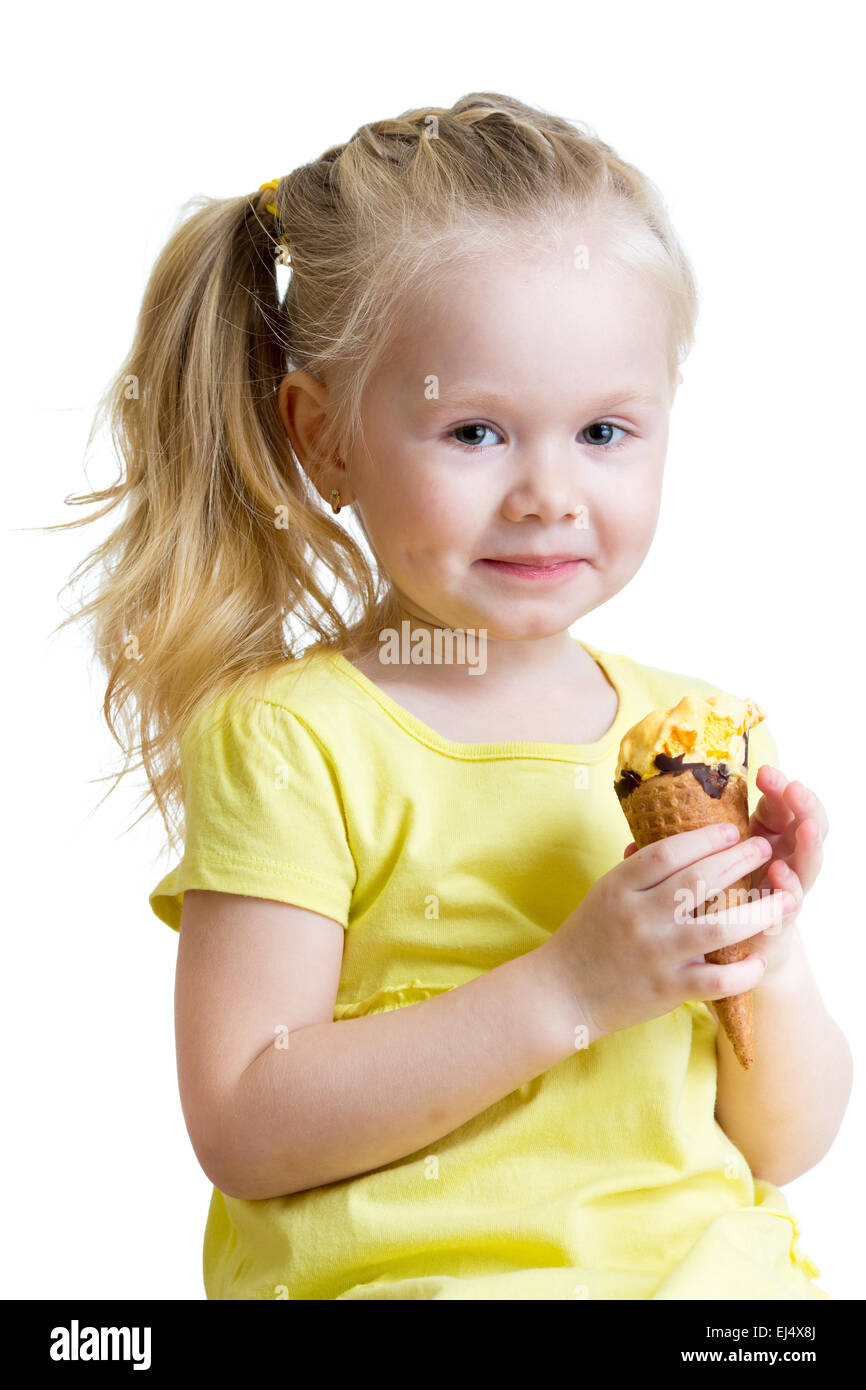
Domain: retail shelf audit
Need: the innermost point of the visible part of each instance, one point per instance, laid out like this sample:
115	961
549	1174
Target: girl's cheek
630	513
433	514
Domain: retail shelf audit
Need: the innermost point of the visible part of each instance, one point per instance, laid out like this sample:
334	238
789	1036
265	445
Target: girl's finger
656	862
782	878
772	812
716	928
703	881
718	981
805	804
808	854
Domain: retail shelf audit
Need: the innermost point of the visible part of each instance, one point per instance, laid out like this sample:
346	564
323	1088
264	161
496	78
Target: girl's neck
576	704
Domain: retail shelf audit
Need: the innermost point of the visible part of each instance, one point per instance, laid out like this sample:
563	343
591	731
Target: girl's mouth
547	569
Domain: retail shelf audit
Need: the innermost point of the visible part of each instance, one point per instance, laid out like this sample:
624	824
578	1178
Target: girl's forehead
494	320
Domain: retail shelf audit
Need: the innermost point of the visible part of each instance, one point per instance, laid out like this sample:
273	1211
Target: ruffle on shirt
391	997
747	1252
769	1198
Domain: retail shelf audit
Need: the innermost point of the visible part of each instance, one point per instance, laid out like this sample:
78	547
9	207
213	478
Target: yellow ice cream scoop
707	731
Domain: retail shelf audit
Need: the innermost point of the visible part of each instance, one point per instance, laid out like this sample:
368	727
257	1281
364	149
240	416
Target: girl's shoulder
306	699
653	686
297	685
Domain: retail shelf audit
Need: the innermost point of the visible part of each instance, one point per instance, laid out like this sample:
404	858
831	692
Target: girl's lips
550	570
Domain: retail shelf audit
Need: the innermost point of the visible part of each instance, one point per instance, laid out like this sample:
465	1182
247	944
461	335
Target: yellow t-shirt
608	1175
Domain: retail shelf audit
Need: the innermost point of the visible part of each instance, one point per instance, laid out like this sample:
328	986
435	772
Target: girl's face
524	413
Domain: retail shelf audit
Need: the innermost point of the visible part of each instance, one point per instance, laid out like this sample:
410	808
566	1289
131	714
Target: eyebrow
463	394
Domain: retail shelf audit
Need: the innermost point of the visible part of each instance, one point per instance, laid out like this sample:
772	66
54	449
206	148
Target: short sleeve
263	814
762	749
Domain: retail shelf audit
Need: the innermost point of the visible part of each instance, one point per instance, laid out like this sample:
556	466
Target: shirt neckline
564	752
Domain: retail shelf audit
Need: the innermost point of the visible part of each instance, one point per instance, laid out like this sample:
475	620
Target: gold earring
335	500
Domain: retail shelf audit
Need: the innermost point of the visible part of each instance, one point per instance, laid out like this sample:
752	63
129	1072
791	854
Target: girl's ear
302	402
282	404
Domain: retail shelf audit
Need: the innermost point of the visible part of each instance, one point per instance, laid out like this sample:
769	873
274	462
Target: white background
747	118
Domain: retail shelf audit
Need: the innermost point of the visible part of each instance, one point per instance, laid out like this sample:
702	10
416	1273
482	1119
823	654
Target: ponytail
211	556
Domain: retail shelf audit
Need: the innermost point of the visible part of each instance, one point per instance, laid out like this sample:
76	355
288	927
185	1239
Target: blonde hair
225	540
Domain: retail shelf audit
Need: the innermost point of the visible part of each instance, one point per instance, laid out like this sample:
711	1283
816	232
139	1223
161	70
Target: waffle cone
669	804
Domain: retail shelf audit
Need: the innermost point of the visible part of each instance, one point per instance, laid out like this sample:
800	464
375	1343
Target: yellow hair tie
270	207
284	257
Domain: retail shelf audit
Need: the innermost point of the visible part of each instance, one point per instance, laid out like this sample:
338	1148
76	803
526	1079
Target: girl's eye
475	425
606	443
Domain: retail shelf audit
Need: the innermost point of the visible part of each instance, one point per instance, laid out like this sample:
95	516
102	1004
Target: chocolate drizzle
713	778
746	755
627	783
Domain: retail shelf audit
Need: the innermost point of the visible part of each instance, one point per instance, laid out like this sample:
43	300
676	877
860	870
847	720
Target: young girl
438	1035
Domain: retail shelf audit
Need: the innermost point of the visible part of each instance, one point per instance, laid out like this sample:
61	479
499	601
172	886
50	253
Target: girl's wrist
571	1026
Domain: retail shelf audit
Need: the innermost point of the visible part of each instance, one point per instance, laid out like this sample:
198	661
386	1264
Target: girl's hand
629	952
795	823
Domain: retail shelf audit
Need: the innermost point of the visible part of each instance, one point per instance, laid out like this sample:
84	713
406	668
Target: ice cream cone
668	804
686	767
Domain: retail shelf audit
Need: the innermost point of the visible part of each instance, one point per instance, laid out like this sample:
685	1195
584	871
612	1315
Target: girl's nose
550	494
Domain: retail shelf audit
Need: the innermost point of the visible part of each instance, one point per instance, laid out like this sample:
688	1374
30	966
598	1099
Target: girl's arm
279	1098
785	1111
